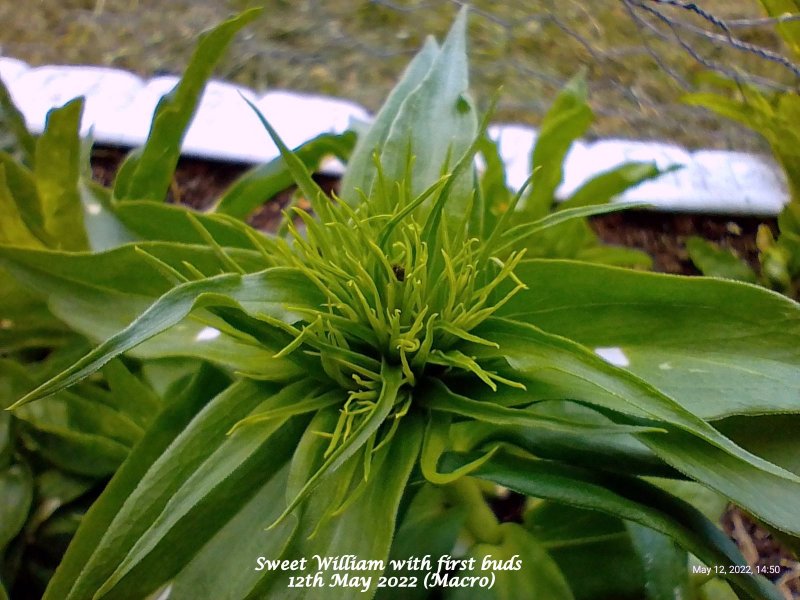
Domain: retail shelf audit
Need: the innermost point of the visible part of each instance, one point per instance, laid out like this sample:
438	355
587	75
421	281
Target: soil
663	235
198	183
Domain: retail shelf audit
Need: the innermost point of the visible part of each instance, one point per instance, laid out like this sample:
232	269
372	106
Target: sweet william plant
392	354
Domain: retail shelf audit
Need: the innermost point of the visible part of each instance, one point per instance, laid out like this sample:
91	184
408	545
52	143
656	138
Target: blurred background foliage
638	65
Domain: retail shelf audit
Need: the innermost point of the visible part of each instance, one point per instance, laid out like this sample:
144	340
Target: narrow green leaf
360	173
556	366
13	230
69	430
377	505
147	173
264	292
772	436
200	577
719	348
458	204
130	395
608	185
201	499
566	240
575	239
76	283
75	451
666	566
514	237
16	494
22	185
311	449
440	398
714	261
57	174
627	498
440	106
169	222
728	107
178	414
300	173
292	407
618	453
11	118
118	271
391	381
76	411
566	121
264	182
493	185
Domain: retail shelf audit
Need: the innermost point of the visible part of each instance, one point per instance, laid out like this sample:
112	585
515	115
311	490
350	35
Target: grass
356	49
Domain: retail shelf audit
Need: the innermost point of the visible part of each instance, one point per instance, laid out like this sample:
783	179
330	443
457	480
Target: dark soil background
198	183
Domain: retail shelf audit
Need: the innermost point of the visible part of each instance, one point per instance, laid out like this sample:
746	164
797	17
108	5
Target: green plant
56	456
567	120
393	355
776	116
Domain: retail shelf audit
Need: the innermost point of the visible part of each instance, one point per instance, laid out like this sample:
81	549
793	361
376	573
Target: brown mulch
198	183
762	551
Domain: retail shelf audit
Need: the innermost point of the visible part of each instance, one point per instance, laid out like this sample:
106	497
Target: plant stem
480	522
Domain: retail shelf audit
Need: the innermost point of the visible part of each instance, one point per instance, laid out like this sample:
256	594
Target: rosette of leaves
396	352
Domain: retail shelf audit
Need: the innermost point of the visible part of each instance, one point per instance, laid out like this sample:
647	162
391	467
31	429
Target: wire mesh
640	56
